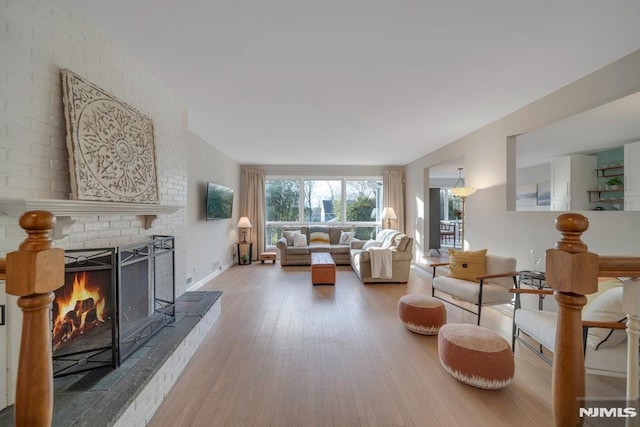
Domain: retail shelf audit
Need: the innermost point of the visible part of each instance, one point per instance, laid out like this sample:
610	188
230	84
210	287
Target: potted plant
615	183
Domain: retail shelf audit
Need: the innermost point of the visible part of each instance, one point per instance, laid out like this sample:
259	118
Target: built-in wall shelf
612	170
595	196
65	209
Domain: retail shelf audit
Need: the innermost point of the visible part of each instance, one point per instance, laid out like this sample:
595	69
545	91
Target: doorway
445	209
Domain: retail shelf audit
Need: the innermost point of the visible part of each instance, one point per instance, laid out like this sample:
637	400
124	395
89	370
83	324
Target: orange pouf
476	356
422	314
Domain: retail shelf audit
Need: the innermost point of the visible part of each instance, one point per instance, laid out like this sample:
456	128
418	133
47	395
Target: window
364	204
283	200
337	201
450	205
322	200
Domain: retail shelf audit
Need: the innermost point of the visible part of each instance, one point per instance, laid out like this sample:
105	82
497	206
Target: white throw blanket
380	263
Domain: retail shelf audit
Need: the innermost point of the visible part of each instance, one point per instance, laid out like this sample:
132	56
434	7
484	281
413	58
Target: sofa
401	248
316	241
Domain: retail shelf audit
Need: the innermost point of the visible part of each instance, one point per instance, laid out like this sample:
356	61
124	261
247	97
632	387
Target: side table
534	279
245	252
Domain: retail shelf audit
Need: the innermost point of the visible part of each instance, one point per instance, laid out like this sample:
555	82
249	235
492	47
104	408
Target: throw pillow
467	265
318	236
371	244
346	237
336	232
402	241
288	234
604	284
299	240
606	308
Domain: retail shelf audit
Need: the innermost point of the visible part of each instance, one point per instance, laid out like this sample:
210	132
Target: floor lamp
462	191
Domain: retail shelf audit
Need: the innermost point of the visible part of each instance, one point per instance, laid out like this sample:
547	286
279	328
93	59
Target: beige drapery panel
393	195
252	205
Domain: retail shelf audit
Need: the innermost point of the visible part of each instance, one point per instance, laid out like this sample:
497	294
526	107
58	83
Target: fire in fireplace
80	311
112	302
84	313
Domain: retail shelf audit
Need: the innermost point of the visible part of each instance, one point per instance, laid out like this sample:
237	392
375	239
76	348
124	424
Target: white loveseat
401	248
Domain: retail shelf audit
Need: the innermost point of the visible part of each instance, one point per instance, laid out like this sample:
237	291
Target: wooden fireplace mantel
64	210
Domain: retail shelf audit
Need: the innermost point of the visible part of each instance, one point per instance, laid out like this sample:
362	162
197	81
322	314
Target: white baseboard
205	279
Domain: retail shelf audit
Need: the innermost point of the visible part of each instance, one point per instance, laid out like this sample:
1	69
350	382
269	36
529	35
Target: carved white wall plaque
111	147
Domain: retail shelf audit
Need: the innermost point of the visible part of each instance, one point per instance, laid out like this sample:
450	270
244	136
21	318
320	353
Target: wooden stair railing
32	273
573	272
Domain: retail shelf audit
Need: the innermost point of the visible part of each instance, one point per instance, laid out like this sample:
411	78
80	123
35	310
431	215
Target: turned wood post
33	272
573	272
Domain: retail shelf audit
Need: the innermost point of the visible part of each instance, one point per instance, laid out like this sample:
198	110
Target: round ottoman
475	355
421	313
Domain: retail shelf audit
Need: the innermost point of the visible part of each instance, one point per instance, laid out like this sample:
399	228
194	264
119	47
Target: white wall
488	222
37	39
210	244
324	170
533	175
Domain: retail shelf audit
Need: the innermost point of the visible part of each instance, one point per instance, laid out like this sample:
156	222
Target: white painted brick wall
37	39
147	402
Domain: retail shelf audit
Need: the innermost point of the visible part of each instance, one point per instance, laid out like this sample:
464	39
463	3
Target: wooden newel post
33	272
573	272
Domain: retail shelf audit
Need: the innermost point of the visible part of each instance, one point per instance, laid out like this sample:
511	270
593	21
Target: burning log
84	317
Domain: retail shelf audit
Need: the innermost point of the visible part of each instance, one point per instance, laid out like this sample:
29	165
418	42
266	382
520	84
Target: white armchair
603	321
490	287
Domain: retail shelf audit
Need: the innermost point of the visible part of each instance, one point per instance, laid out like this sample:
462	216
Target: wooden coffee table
323	269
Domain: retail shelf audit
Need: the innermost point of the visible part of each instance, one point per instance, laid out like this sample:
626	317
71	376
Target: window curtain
393	196
252	206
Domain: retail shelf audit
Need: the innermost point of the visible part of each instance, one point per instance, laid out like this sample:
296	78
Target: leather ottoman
323	269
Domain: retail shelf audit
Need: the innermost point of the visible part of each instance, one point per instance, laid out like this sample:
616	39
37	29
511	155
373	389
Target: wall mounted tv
219	201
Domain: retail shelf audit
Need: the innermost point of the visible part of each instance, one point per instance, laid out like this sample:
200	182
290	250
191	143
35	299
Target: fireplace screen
112	302
146	289
84	312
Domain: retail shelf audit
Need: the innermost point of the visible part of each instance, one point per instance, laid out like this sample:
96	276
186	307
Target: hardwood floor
286	353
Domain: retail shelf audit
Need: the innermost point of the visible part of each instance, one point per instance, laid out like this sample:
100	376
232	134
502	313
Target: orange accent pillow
467	265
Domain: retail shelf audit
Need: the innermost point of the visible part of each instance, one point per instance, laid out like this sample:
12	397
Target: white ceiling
361	82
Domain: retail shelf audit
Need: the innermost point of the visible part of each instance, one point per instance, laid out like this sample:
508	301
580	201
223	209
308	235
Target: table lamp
244	223
388	213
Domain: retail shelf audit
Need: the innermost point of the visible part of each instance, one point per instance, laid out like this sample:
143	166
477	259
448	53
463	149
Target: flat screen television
219	201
